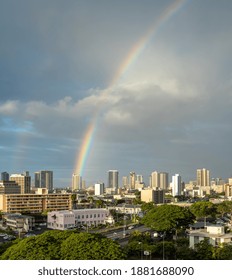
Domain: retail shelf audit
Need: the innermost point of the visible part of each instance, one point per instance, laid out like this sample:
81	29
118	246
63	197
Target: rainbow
85	148
132	56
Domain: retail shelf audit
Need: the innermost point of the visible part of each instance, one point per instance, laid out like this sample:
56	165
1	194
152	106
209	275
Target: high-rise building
159	180
44	179
230	181
113	180
139	183
125	183
9	187
203	177
139	179
99	188
132	180
154	179
23	180
76	182
5	176
176	185
163	180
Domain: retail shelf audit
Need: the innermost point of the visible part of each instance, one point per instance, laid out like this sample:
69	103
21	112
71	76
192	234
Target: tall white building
176	185
99	188
44	179
113	180
76	182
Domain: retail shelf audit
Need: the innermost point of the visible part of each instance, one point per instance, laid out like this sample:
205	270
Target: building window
196	239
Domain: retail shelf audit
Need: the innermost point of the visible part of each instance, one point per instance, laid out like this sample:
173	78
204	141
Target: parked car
9	237
29	234
130	227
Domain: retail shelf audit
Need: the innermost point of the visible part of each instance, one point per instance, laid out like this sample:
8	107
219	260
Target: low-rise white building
126	208
214	233
18	221
69	219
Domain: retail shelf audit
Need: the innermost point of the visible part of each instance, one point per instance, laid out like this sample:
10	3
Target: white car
30	234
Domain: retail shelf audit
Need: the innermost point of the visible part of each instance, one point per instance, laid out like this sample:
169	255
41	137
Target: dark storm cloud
170	111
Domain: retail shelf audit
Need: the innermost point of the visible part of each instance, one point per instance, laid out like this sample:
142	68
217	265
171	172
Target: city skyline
113	179
137	85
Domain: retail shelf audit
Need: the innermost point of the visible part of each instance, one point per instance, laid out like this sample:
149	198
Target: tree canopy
167	217
203	209
66	245
224	207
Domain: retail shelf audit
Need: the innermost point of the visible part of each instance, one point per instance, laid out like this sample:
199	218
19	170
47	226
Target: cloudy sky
152	77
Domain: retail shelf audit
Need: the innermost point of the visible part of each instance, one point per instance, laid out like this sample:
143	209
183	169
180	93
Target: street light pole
163	247
124	226
141	247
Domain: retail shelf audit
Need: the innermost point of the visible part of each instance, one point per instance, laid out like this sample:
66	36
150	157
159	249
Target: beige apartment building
228	190
34	203
152	195
203	177
23	180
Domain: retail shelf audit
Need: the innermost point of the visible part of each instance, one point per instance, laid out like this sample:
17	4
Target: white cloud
10	107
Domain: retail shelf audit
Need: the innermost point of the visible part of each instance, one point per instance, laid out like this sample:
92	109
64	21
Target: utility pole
124	226
141	247
163	247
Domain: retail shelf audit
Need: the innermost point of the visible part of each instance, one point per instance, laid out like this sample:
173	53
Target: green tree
84	246
204	250
41	247
168	217
99	203
224	252
147	206
165	250
203	209
4	246
136	235
60	245
224	207
73	199
139	236
183	252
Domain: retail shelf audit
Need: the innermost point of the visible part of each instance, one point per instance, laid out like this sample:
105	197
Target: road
118	235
